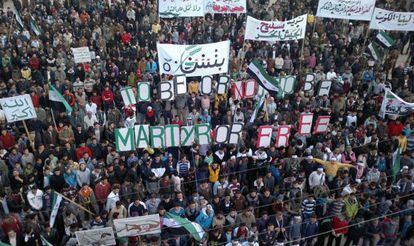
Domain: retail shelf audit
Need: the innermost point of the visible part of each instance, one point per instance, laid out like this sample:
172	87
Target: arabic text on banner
18	108
394	105
390	20
346	9
275	30
136	226
81	54
194	60
225	6
180	8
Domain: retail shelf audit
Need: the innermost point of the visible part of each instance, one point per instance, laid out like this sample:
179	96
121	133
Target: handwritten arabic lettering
175	11
348	7
287	30
194	58
402	19
18	108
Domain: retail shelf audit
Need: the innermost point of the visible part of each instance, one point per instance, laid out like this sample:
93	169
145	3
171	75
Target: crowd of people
352	185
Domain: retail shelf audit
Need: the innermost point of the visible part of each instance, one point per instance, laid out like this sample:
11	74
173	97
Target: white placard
194	60
346	9
391	20
81	55
128	96
180	8
136	226
101	236
293	29
18	108
124	139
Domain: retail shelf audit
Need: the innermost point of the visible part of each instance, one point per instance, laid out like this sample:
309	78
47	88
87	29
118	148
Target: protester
351	183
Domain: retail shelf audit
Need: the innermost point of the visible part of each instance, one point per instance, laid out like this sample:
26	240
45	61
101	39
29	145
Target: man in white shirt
351	118
279	63
113	197
316	178
89	120
35	198
91	107
331	74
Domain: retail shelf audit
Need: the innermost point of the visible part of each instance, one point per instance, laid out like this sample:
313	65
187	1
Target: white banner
390	20
346	9
136	226
101	236
225	6
272	31
81	54
180	8
394	105
18	108
194	60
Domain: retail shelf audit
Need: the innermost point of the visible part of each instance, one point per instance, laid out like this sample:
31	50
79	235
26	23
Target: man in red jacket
339	228
107	98
7	140
395	128
102	190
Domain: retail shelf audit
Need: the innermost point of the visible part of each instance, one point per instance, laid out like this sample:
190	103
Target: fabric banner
346	9
128	96
194	60
180	8
81	54
257	72
394	105
18	108
101	236
173	221
385	39
136	226
55	208
225	6
272	31
56	96
383	19
44	241
374	50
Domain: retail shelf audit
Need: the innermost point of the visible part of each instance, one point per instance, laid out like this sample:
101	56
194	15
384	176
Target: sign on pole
18	108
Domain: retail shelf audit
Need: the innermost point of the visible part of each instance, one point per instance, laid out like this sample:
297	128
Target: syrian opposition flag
256	71
55	208
56	96
180	226
258	104
385	39
375	51
45	242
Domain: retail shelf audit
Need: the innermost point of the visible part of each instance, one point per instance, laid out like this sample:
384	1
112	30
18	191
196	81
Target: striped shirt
308	207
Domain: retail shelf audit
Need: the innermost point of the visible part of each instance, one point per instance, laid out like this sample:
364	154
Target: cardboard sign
305	124
283	134
321	125
18	108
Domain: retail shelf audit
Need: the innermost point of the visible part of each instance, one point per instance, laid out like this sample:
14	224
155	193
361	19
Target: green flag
56	96
45	242
396	163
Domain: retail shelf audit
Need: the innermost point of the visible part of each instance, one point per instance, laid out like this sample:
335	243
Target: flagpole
53	117
74	203
28	134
